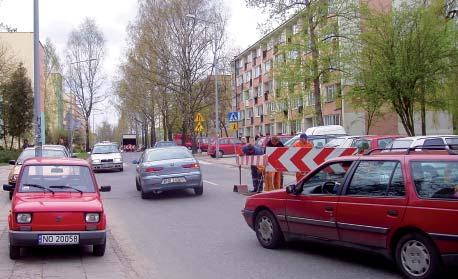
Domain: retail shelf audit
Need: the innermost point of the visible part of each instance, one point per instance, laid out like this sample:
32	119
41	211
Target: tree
17	100
405	56
312	54
85	53
105	132
7	65
52	66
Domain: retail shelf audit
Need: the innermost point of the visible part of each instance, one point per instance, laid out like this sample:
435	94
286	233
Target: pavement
179	235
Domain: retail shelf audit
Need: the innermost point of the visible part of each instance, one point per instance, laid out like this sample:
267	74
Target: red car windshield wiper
66	187
38	186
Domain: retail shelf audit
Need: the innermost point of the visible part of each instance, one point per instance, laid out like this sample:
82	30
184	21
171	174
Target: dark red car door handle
392	212
328	208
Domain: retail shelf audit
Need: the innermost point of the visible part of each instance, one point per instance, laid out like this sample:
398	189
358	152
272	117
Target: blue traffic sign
233	116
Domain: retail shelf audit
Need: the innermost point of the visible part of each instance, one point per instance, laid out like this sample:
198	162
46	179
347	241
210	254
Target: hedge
7	155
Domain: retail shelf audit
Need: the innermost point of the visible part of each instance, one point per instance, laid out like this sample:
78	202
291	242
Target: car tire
220	154
121	169
144	194
199	190
417	257
137	185
267	230
15	252
11	195
213	156
99	250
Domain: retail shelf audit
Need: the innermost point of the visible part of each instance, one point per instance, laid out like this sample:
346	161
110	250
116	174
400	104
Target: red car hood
59	202
277	194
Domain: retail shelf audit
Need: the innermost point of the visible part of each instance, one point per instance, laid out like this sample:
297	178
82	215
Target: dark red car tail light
191	166
153	169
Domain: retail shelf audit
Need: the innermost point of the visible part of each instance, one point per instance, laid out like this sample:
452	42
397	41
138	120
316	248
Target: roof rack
444	147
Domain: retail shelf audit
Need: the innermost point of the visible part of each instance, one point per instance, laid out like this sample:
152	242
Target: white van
336	130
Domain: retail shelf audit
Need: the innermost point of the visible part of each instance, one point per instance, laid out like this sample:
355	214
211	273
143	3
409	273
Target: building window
246	95
296	28
270	44
257	71
293	54
310	99
330	93
332	119
267	66
258	111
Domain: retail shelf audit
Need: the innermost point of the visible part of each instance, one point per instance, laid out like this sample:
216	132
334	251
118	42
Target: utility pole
36	80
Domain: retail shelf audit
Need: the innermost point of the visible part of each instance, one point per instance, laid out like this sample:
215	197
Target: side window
372	178
334	172
435	143
223	141
435	179
383	143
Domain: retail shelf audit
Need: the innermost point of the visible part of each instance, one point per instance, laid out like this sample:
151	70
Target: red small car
227	146
402	205
56	202
262	141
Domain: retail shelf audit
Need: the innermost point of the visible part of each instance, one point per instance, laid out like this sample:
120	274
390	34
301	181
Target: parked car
56	202
164	169
53	151
160	144
430	142
343	142
374	142
400	205
262	141
227	146
201	143
318	141
106	156
334	130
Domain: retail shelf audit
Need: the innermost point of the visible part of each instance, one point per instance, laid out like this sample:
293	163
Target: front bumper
153	183
248	215
450	259
30	238
107	166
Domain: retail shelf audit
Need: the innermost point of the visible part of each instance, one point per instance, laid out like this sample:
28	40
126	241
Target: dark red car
201	143
404	206
56	202
227	146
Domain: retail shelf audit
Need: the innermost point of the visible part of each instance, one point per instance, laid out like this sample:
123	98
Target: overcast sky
59	17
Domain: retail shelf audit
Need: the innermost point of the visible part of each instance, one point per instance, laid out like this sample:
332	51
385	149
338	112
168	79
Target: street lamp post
36	79
215	66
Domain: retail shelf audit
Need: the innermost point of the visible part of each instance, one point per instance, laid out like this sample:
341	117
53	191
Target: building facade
20	46
54	105
259	94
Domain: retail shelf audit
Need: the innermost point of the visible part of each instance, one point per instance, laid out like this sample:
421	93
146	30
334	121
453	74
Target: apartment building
258	93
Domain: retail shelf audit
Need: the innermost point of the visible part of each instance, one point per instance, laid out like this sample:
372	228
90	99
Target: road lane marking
211	183
205	163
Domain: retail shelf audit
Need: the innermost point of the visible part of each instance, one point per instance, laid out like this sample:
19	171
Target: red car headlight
92	217
23	218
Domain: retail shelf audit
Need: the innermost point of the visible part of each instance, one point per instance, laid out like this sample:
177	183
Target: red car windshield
57	178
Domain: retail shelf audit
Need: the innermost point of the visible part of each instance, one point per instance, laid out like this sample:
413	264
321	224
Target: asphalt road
180	235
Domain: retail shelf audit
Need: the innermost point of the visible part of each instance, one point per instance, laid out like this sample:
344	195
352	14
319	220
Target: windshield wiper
38	186
65	187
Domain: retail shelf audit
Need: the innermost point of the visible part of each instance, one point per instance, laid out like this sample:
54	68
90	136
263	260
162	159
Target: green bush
7	155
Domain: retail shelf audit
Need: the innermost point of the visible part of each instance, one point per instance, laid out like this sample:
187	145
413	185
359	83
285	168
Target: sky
59	17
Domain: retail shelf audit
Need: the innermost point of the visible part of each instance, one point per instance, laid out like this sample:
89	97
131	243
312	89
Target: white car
430	142
343	142
106	156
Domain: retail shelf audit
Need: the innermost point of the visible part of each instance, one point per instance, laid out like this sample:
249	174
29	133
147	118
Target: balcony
262	118
255	100
266	96
264	54
252	120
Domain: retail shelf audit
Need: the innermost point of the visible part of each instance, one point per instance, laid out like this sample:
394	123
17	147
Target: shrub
7	155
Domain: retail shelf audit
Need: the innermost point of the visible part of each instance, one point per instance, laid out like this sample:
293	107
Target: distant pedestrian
273	179
256	175
26	144
303	142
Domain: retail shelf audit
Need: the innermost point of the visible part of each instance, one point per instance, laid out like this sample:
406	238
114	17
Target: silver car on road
106	156
171	168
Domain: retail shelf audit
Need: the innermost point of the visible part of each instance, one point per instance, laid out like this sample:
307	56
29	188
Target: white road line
205	163
211	183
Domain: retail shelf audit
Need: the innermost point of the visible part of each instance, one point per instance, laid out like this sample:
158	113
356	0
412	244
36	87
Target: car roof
56	161
427	137
48	147
168	148
105	143
396	156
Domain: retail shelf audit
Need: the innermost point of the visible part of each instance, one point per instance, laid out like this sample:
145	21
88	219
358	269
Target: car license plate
58	239
173	180
106	165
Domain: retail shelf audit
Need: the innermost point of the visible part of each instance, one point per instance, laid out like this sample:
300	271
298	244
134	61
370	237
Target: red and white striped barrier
251	160
301	159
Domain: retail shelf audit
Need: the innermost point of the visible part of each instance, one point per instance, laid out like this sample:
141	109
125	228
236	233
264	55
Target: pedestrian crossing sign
199	127
233	126
233	116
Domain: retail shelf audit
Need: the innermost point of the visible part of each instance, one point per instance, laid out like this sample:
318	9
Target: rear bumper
154	183
248	215
107	166
30	238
